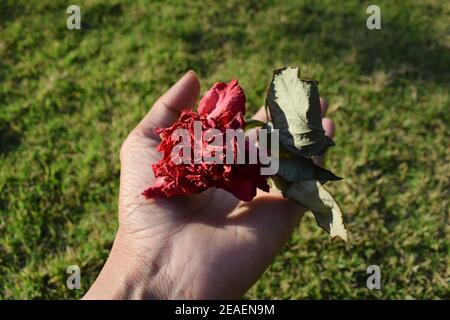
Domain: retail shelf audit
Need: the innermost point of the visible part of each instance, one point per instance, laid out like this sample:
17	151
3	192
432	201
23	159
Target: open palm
206	246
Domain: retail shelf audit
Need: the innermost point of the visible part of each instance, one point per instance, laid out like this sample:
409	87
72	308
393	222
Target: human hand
206	246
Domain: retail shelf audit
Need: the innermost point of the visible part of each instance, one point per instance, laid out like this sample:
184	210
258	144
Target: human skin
205	246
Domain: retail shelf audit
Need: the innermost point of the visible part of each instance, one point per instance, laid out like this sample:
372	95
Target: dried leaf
295	109
314	196
299	168
294	105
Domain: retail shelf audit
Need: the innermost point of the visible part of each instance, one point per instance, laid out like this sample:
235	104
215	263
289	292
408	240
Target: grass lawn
69	98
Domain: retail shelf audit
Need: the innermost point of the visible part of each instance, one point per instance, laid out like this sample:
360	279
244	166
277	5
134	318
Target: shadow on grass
9	139
102	14
403	47
9	10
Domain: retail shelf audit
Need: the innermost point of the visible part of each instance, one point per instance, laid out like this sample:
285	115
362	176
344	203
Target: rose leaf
311	194
294	105
298	168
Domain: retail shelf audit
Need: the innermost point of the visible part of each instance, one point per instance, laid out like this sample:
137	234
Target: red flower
222	102
222	108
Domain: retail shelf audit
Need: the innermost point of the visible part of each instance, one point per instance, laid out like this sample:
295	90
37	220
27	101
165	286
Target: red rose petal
222	108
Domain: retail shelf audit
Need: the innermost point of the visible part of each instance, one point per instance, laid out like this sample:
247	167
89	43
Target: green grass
69	98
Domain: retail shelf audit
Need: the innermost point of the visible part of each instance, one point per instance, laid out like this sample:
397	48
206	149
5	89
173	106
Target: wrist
123	276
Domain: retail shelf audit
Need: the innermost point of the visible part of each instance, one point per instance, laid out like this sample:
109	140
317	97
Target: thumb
182	95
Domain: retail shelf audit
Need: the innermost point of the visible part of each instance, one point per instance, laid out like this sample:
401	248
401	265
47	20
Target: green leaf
298	168
314	196
294	105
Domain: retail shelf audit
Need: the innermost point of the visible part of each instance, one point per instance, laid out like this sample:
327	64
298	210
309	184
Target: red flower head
222	102
222	108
